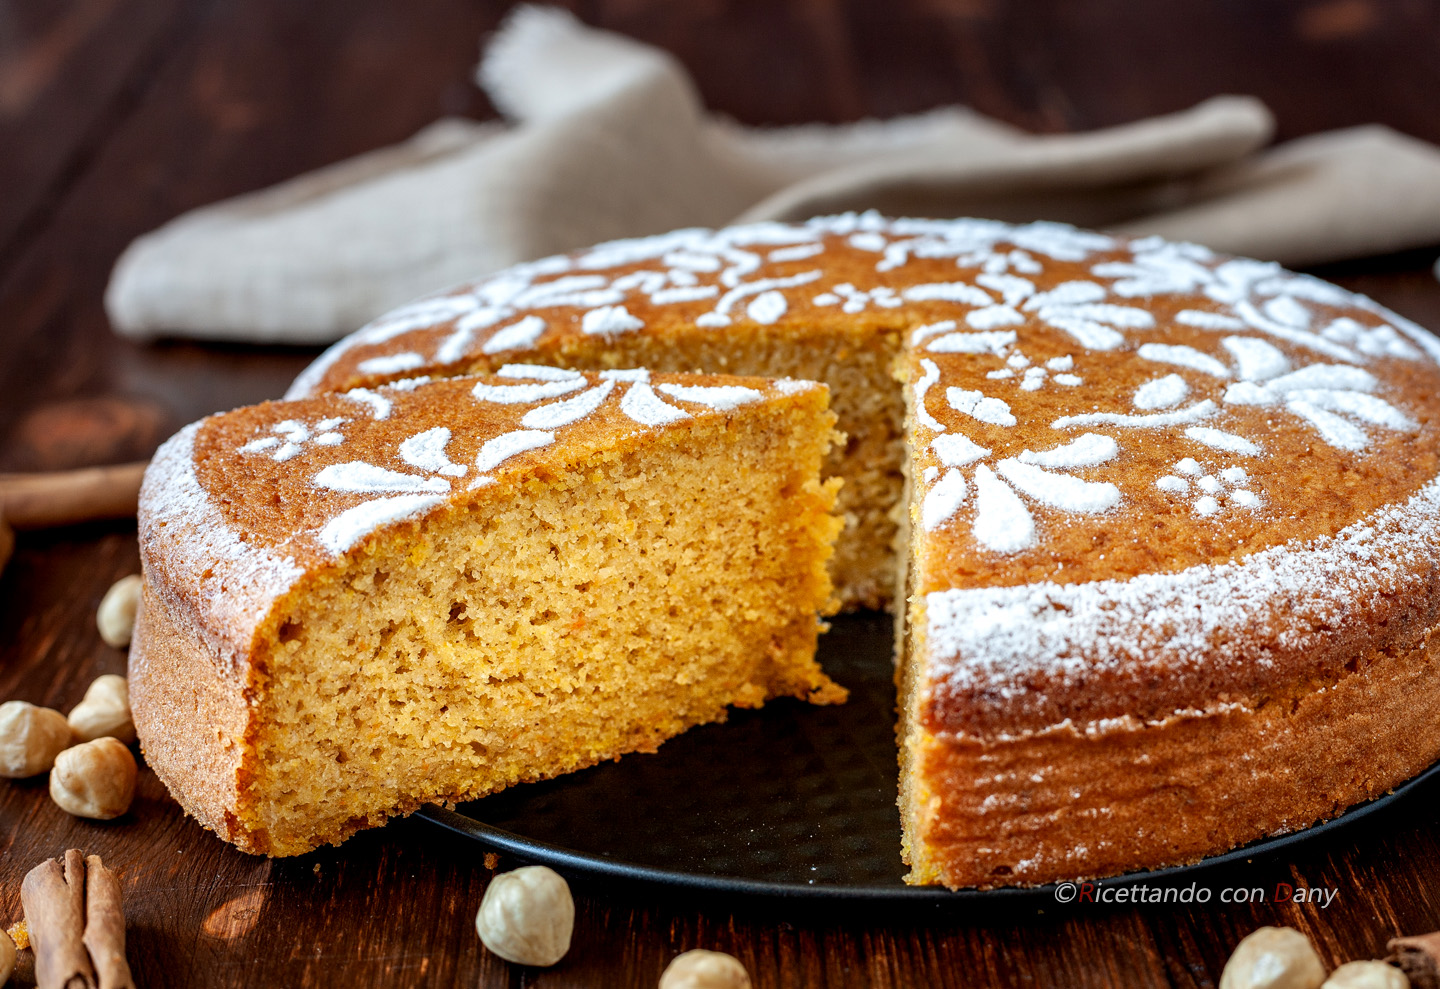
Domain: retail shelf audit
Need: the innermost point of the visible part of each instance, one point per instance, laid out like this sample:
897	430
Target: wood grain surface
116	115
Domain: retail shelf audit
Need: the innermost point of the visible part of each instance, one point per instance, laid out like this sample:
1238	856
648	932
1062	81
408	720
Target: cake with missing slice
1167	576
362	602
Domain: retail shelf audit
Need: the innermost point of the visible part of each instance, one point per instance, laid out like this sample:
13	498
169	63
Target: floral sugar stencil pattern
1042	311
547	400
1273	349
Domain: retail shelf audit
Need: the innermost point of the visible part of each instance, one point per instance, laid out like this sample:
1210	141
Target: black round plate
791	800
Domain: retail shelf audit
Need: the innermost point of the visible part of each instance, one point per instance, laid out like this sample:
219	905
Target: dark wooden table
116	115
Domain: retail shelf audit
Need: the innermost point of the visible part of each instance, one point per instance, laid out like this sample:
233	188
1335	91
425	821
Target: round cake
1160	525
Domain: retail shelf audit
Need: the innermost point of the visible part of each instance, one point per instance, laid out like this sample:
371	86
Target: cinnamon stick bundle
54	899
77	924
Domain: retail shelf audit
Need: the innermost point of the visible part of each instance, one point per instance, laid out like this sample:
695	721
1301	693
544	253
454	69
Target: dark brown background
116	115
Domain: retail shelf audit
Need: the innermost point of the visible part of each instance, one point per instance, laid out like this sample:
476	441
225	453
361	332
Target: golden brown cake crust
193	721
1002	810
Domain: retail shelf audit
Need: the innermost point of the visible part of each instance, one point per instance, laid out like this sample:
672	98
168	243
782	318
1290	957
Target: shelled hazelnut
1273	958
105	711
94	779
527	916
1366	975
701	969
30	738
7	957
116	616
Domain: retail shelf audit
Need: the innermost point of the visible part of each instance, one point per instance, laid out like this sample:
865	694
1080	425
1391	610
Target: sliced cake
1170	543
369	600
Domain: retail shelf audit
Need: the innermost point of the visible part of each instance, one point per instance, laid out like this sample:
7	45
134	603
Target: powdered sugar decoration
1221	440
1034	377
1322	395
1162	392
1205	320
496	451
358	477
955	450
722	399
1265	324
1070	494
975	404
943	499
992	342
1193	413
644	406
720	315
1209	493
609	321
527	393
852	300
1255	359
391	363
640	402
1003	523
519	335
378	404
931	374
1089	450
767	307
288	438
1184	357
570	410
427	452
350	526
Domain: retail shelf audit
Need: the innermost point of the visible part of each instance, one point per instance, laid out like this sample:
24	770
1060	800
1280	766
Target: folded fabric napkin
606	138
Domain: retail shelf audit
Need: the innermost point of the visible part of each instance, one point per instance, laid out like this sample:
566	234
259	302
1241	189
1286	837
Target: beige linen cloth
607	138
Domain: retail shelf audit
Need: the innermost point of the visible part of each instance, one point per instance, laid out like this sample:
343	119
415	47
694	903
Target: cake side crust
1076	801
192	719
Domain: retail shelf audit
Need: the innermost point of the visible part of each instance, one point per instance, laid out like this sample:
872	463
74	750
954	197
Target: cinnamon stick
105	926
54	900
1419	958
64	497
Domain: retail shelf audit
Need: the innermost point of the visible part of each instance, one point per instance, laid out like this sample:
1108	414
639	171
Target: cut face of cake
362	602
1167	520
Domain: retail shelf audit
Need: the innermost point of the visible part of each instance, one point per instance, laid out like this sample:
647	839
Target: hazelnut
1366	975
116	615
527	916
104	711
1273	958
94	779
7	957
701	969
30	738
